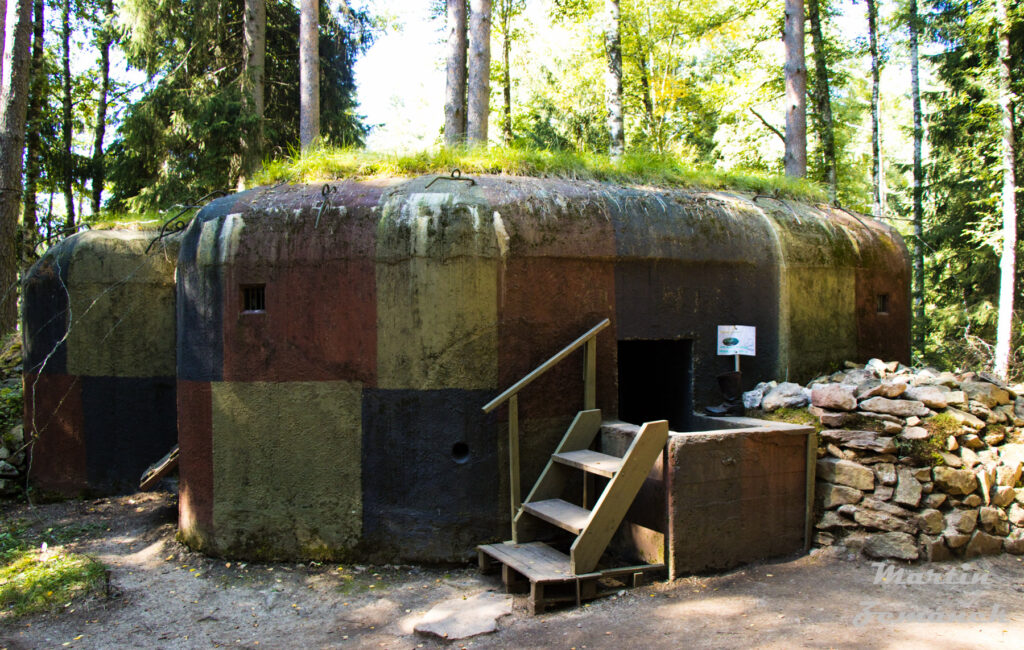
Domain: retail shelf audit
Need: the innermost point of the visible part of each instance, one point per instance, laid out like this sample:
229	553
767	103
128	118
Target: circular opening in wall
460	452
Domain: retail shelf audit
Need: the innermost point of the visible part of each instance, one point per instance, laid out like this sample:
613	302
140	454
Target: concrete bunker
334	349
98	328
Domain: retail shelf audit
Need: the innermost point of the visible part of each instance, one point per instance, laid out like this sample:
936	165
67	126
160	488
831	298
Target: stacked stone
12	460
874	495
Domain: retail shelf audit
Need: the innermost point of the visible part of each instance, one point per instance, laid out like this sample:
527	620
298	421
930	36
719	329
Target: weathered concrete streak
822	319
287	470
195	464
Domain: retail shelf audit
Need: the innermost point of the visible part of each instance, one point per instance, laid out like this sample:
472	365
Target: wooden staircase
554	576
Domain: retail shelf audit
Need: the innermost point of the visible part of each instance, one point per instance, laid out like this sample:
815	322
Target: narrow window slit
882	303
254	297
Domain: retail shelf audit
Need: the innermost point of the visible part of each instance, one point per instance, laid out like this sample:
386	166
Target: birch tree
795	161
1008	260
479	71
67	167
104	40
309	72
919	323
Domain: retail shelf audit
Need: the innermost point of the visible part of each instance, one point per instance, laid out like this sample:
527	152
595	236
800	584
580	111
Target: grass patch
638	168
798	416
34	578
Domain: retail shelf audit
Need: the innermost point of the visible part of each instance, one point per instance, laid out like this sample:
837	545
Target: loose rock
892	545
955	481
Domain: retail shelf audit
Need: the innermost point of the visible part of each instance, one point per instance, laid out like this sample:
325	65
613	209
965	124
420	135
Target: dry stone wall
913	464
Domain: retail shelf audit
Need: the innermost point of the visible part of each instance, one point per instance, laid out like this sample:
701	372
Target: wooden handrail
544	367
511	395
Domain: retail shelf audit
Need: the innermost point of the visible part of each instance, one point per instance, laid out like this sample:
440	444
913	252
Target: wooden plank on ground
536	560
159	469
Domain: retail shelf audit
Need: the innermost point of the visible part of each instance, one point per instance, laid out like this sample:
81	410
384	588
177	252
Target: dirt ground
164	596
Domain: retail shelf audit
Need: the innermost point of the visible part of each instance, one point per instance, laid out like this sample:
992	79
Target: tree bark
919	323
479	71
876	141
12	147
3	35
648	100
455	82
795	161
613	78
67	180
309	72
98	167
506	73
254	55
33	144
1008	261
823	102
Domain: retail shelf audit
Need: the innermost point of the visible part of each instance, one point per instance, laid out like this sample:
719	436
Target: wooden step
593	462
535	560
560	513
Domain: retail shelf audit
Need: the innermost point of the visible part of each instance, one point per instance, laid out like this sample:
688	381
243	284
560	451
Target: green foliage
183	138
942	426
34	578
962	232
634	168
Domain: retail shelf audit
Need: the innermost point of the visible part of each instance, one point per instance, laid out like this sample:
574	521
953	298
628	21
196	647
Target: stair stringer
618	496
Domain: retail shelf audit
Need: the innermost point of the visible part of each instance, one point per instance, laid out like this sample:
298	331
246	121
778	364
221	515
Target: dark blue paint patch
431	482
129	424
45	311
200	305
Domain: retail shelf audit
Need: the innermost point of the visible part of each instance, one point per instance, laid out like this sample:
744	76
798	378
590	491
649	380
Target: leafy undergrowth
633	168
37	574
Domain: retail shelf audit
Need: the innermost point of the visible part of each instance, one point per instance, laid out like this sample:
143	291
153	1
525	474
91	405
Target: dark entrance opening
656	382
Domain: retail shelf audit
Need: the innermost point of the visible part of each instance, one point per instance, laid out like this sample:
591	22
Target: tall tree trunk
12	147
479	71
33	144
309	72
254	55
823	102
876	141
1008	261
648	100
98	166
919	324
3	35
613	78
795	161
506	76
455	82
67	181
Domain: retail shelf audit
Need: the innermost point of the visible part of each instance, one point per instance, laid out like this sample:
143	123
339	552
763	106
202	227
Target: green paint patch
38	574
641	168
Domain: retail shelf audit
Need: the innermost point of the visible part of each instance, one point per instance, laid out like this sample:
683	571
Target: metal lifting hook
456	175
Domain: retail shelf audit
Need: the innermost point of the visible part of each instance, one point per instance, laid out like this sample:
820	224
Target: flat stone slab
461	618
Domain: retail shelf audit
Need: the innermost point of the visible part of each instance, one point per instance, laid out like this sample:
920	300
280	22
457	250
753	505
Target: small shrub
942	425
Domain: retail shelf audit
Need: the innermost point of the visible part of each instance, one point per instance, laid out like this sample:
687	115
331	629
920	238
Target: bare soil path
164	596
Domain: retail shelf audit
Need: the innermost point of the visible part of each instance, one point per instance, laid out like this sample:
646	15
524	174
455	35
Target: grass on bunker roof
635	168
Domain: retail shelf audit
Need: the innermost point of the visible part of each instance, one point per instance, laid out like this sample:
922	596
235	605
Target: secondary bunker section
334	349
99	373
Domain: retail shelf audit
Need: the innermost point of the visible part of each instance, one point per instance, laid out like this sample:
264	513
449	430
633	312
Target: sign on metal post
736	341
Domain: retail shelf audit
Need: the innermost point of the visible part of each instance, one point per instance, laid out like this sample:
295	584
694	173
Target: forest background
135	107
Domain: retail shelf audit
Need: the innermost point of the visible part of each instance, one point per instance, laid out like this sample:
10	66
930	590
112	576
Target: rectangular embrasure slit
254	297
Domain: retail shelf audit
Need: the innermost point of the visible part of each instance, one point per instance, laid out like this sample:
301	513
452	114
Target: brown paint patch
545	304
195	442
883	335
53	412
320	323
